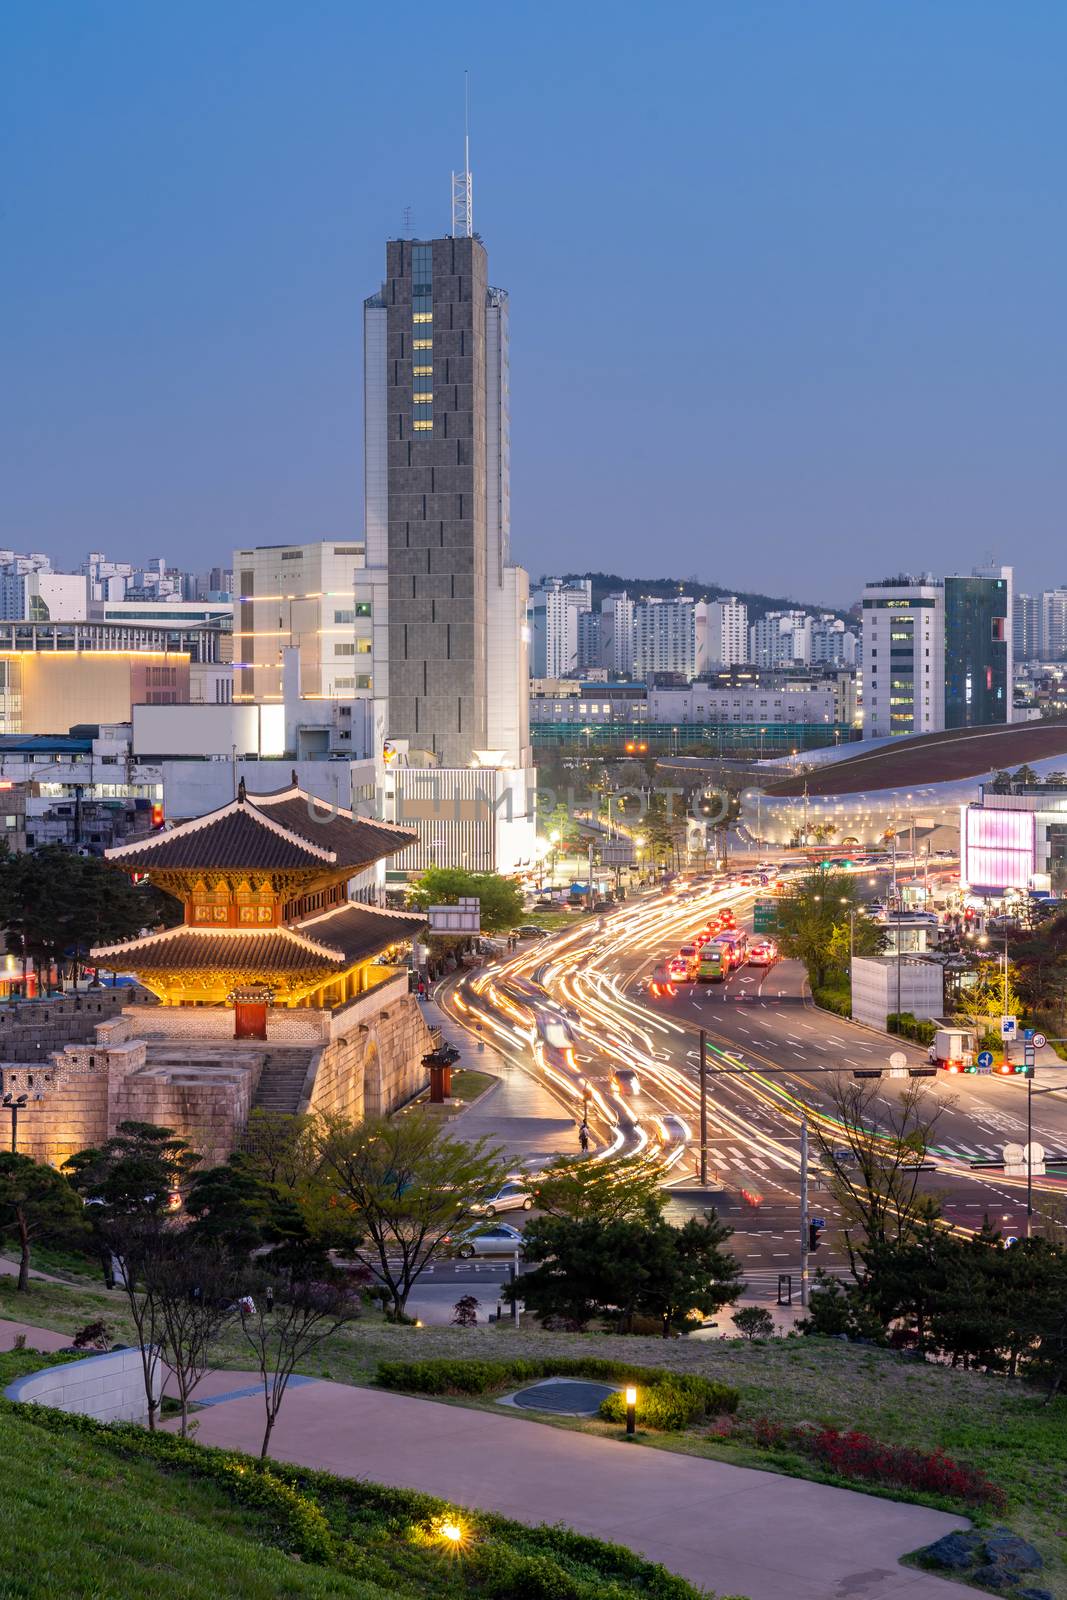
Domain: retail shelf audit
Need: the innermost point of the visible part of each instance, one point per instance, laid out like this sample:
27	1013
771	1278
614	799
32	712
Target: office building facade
437	476
978	649
903	657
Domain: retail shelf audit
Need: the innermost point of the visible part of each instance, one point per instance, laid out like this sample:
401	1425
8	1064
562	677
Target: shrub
677	1395
908	1026
857	1455
672	1401
834	997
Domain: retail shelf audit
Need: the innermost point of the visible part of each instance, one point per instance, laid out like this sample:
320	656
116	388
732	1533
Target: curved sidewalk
731	1529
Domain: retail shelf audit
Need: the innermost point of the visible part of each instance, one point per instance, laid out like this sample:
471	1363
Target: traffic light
158	817
815	1227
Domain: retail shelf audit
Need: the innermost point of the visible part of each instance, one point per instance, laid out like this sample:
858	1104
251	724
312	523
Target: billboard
998	849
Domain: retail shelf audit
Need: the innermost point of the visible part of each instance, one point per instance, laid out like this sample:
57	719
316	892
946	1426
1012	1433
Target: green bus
721	955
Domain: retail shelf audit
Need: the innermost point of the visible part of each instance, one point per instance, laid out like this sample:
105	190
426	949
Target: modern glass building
978	652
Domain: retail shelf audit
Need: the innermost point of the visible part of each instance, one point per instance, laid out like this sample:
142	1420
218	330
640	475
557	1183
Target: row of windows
362	680
361	647
422	337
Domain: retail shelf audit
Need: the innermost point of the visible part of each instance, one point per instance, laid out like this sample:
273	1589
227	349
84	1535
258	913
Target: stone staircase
281	1081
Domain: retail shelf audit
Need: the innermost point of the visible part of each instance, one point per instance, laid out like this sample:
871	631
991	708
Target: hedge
667	1400
908	1026
834	998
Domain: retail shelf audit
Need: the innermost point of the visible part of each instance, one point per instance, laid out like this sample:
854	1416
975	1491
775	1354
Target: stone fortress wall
181	1068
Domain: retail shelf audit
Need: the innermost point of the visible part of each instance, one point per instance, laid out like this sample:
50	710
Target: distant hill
605	583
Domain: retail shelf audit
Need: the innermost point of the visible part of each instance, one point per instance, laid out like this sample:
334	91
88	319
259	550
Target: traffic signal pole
703	1109
804	1210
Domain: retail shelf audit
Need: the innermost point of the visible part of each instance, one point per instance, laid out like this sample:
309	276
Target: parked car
511	1196
499	1240
624	1080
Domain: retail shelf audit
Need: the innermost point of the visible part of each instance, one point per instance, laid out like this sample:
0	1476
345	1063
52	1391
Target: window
292	555
422	337
350	550
363	680
344	616
363	647
363	608
344	683
344	649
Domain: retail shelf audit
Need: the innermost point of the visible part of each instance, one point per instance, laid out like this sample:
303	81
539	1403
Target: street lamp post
15	1103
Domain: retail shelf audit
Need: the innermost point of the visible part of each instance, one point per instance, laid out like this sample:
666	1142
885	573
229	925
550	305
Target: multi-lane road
574	1008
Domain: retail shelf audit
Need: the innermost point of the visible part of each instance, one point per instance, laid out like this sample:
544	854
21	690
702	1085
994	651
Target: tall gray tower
437	504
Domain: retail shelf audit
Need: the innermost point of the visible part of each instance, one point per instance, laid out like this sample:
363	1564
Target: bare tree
874	1157
196	1288
284	1319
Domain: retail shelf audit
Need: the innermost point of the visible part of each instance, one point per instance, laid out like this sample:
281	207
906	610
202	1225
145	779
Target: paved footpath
731	1529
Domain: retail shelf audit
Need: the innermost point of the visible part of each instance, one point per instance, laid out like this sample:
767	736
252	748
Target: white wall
874	990
108	1387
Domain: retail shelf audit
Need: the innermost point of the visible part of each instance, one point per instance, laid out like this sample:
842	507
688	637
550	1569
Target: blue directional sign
985	1058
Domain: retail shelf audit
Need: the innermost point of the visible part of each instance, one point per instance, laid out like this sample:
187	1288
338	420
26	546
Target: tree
406	1186
196	1286
284	1319
36	1202
813	919
501	898
619	1188
753	1322
585	1268
465	1312
873	1159
130	1184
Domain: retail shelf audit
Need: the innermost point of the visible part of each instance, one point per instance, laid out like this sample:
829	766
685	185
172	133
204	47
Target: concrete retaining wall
108	1387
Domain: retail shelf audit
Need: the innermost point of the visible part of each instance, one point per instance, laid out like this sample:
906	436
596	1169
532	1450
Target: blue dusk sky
787	276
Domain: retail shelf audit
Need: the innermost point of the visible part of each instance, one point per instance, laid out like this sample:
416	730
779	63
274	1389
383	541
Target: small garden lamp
631	1410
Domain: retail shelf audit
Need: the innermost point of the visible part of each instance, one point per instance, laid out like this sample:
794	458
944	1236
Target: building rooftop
930	758
289	830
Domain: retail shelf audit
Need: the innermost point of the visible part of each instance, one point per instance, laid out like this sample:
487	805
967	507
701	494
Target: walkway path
732	1529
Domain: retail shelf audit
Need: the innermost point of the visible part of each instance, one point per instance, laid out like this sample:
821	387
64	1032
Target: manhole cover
569	1396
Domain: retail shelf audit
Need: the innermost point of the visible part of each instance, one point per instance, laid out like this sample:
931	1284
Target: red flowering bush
857	1455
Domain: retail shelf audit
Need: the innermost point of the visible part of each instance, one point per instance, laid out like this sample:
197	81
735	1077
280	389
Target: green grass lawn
468	1085
100	1513
1004	1428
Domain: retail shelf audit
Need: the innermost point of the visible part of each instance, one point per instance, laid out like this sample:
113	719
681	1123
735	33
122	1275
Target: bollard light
631	1410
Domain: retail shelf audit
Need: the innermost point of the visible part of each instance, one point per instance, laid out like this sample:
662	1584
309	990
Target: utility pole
703	1109
804	1209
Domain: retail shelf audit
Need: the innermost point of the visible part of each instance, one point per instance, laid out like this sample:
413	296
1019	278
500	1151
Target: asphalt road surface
574	1008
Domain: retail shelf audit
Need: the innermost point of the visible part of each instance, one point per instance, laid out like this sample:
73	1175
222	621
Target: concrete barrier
108	1387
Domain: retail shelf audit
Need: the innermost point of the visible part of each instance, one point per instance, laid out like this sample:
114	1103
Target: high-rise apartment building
437	478
832	644
554	612
727	632
617	643
665	636
903	657
780	639
1053	626
978	648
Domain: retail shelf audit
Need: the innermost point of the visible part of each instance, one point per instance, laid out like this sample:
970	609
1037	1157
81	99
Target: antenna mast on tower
462	187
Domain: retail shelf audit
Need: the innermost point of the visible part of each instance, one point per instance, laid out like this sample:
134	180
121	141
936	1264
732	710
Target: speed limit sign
1038	1040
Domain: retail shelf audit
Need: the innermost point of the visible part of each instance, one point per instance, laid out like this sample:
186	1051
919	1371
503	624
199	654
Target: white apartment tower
727	632
903	657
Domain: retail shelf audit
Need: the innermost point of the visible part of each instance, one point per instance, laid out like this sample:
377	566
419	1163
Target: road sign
1028	1034
985	1061
1008	1028
463	917
1020	1159
1039	1041
764	916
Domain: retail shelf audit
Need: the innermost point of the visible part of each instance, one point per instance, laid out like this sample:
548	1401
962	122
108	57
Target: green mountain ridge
605	583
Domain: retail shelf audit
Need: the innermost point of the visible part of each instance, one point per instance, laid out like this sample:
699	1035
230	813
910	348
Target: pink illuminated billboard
998	849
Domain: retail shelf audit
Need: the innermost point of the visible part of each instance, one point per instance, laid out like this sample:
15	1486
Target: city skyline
876	364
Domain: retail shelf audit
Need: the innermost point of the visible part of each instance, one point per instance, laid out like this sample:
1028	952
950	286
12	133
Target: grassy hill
701	589
97	1513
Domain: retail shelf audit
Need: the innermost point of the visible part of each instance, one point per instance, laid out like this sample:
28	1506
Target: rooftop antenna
407	222
462	190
